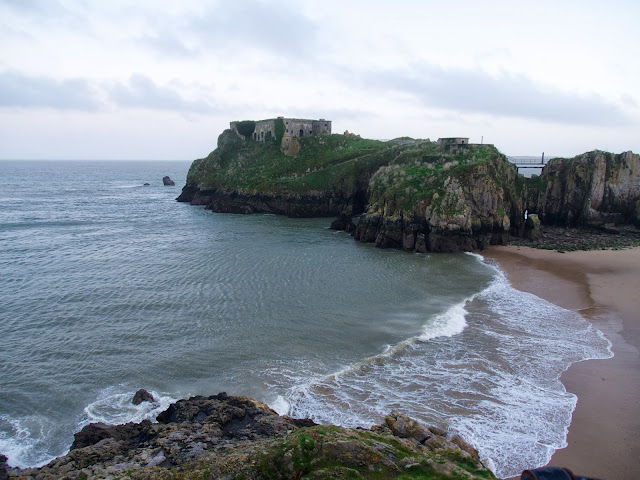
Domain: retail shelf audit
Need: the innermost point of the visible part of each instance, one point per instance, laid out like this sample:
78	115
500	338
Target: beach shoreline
604	435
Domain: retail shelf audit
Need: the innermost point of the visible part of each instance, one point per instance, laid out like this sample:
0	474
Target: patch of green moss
279	130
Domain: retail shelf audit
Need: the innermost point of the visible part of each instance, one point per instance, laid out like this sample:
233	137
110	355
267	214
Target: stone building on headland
455	144
453	141
291	128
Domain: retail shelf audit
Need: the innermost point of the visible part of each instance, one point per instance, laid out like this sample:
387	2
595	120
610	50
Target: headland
412	194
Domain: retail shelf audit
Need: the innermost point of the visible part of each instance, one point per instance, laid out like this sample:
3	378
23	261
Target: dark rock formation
592	189
532	227
95	432
236	437
462	206
146	184
344	223
313	204
167	181
142	396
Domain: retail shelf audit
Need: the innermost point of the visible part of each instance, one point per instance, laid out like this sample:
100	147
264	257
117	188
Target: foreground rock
167	181
236	437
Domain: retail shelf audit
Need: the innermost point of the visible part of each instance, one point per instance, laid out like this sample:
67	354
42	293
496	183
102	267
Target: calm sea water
107	286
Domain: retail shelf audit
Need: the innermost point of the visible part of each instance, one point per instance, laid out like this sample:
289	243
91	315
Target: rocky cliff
592	189
442	203
415	195
236	437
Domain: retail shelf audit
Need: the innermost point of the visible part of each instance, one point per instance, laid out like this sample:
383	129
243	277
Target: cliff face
327	176
594	188
236	437
448	203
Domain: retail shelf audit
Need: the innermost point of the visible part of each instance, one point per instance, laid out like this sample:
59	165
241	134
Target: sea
108	285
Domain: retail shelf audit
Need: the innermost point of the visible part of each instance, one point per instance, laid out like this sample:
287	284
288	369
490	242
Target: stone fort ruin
287	128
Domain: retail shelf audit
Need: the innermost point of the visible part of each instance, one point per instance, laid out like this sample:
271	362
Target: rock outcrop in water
142	395
418	196
166	180
236	437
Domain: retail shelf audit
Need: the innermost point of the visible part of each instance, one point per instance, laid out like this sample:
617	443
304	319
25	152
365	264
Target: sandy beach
603	286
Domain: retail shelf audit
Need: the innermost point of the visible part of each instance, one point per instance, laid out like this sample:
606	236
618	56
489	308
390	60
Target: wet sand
603	286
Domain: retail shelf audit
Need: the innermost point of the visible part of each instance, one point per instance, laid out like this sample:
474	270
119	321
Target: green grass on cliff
419	174
322	163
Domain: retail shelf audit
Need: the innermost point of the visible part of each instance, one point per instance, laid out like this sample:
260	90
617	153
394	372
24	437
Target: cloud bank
512	95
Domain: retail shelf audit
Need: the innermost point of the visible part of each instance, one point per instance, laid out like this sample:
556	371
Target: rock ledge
236	437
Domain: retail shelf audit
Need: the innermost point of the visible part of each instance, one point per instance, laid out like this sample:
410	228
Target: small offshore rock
146	184
142	396
167	181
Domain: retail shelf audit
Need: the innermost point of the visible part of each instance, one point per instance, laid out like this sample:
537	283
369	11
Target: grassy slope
323	163
419	175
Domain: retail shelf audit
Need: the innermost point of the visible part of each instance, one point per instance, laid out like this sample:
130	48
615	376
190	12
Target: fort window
301	133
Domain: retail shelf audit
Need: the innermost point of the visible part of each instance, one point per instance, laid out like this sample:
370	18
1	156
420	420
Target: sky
160	80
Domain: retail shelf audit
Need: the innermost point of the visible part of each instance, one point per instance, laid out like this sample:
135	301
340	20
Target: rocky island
223	436
415	195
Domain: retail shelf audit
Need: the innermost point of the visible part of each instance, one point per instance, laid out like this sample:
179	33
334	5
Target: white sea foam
113	406
23	440
26	441
451	322
497	381
280	405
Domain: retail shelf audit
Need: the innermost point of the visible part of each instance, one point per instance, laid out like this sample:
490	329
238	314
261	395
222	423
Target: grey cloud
261	25
507	94
236	26
19	90
142	92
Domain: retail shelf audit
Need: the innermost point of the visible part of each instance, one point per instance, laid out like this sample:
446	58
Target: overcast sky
85	79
